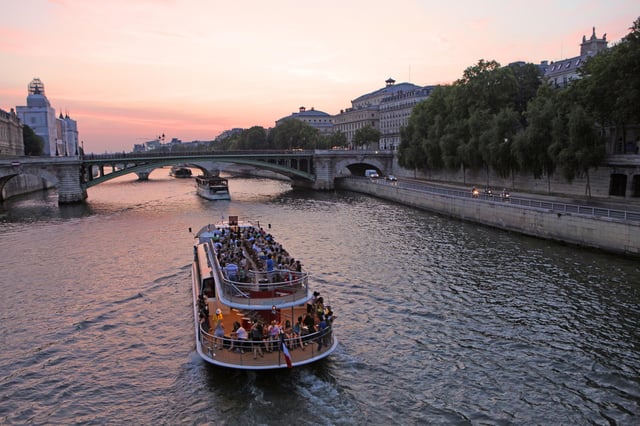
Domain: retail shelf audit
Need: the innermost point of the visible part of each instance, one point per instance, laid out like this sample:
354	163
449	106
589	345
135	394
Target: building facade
40	116
560	73
349	121
387	109
11	139
317	119
395	111
67	136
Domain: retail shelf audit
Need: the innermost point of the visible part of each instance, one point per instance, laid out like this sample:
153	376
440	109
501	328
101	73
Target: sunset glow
129	70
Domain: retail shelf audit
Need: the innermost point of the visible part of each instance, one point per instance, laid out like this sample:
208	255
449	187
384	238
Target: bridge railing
189	154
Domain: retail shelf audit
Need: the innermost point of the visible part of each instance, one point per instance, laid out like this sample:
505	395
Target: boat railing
313	344
266	288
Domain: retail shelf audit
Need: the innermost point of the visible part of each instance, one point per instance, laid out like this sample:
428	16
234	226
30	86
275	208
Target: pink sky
128	70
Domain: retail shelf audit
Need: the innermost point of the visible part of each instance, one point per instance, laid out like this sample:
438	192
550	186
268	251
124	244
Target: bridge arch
357	168
44	174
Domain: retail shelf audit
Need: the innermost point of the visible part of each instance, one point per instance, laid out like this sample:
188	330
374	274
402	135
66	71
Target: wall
602	233
557	185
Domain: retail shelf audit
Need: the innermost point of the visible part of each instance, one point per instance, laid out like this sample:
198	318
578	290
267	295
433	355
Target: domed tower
40	116
36	87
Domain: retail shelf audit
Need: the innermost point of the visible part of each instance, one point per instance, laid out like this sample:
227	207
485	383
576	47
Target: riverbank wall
597	186
608	234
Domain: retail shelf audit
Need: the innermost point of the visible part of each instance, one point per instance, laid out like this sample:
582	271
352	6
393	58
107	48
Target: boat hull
213	196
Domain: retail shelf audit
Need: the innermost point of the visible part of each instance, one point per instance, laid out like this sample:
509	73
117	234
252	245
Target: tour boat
253	305
180	172
212	187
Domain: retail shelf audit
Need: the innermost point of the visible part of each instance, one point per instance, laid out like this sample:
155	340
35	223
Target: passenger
270	267
218	334
319	308
232	271
256	339
239	336
204	323
297	332
311	306
274	336
309	326
322	328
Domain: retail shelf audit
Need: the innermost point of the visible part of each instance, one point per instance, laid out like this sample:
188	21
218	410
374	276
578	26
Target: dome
36	87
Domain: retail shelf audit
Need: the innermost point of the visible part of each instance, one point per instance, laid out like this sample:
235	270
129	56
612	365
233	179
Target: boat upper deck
253	270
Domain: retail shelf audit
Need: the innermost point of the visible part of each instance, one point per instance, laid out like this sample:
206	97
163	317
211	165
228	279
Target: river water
439	321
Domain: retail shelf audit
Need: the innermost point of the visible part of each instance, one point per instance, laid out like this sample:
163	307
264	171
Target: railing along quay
595	211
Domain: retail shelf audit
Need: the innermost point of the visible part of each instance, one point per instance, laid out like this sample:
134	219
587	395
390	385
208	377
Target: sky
130	70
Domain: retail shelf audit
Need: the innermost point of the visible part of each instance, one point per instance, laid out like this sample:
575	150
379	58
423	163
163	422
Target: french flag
285	351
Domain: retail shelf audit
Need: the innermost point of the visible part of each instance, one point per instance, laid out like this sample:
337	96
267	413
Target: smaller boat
212	187
180	172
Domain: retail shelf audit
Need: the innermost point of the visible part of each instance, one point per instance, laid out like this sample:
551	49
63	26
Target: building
350	120
40	116
387	109
11	140
560	73
395	111
317	119
67	136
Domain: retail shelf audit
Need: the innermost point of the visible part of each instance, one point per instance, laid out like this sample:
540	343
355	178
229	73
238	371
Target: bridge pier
143	175
70	189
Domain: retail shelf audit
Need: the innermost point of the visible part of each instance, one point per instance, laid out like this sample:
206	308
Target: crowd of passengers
265	254
270	337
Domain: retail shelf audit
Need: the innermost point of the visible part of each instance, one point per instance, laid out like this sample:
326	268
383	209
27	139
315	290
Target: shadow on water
42	204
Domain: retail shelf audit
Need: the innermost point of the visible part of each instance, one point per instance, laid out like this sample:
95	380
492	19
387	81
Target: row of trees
506	119
294	134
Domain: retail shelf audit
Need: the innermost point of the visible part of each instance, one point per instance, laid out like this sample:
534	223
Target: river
439	321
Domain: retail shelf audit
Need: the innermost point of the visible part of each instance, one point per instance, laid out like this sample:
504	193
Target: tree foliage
294	134
33	144
473	123
366	135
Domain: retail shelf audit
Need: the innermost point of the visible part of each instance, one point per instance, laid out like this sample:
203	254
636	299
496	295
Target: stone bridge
315	169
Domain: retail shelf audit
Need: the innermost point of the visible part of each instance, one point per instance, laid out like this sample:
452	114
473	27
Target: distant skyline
130	70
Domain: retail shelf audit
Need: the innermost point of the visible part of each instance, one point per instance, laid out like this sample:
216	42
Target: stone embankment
606	233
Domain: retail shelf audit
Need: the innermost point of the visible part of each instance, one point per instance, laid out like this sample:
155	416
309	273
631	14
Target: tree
294	134
335	139
33	144
531	147
366	135
252	139
504	126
